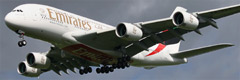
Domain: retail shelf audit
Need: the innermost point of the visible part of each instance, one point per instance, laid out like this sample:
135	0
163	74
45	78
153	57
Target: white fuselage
56	27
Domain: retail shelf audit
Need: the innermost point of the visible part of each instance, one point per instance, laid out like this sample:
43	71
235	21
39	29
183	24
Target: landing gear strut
22	42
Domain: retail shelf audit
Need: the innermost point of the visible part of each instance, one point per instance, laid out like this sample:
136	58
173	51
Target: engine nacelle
28	71
38	60
129	32
185	20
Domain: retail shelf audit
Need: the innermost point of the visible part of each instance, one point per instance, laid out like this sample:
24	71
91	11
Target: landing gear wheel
89	69
122	66
98	70
81	72
85	70
106	69
111	69
102	69
24	42
20	44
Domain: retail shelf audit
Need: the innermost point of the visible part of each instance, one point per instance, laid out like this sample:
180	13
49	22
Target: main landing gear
121	64
22	42
104	69
85	70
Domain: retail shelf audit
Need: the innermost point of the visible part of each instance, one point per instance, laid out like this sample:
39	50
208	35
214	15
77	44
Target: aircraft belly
90	54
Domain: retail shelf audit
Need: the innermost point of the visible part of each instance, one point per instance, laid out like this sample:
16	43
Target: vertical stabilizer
173	44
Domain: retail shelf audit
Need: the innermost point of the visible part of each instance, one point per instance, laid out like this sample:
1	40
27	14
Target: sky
218	65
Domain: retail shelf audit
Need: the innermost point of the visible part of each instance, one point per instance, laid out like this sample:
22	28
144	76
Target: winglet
198	51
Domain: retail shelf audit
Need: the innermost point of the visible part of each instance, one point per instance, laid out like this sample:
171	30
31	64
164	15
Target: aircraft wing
156	31
198	51
221	12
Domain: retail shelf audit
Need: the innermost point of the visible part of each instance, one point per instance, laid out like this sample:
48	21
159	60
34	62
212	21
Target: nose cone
9	20
13	21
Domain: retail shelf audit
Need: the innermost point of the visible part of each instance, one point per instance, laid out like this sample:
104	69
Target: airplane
82	43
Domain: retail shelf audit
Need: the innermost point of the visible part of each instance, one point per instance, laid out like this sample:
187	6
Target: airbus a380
83	43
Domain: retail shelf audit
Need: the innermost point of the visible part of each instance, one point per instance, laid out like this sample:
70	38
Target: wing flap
198	51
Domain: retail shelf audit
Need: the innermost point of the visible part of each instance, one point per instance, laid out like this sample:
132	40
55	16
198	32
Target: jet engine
38	60
185	20
26	70
129	32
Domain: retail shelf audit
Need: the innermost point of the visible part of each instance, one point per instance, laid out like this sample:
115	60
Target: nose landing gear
22	42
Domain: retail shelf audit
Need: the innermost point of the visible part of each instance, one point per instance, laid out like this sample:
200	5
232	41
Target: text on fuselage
65	18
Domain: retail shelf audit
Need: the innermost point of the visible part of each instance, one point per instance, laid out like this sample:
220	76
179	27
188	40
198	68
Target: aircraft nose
9	17
9	20
13	21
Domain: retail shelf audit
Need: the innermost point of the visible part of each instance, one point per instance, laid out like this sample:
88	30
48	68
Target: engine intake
129	32
38	60
26	70
185	20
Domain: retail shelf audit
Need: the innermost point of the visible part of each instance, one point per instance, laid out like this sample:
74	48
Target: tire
85	70
111	69
89	69
102	69
24	43
81	72
20	44
122	67
98	70
106	69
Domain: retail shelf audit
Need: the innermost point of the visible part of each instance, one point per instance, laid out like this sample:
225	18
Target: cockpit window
17	10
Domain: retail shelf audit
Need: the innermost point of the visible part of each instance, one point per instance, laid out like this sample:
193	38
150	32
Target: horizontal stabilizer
198	51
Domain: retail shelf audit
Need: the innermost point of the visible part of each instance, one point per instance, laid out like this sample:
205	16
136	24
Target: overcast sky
219	65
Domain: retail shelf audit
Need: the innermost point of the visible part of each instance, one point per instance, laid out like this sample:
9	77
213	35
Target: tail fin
198	51
173	44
